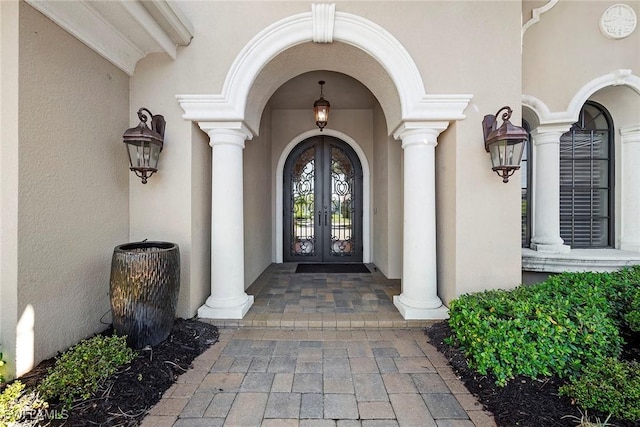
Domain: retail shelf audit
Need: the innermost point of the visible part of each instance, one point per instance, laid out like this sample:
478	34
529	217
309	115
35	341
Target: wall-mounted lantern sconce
144	145
321	109
505	144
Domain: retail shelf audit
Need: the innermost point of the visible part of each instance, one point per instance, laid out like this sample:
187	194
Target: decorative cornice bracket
537	12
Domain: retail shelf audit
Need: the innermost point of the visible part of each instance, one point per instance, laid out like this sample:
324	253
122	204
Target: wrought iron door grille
342	208
302	181
322	202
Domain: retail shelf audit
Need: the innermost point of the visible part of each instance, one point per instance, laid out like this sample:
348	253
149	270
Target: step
320	321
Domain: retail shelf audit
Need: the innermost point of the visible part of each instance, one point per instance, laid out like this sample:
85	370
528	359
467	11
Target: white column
419	298
546	189
630	226
228	299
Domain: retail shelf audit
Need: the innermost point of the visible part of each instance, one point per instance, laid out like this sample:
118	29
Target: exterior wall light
144	145
321	109
505	144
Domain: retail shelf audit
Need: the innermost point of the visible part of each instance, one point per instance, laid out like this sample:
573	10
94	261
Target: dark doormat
332	268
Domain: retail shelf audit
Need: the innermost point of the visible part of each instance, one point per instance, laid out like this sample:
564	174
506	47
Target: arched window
525	173
586	180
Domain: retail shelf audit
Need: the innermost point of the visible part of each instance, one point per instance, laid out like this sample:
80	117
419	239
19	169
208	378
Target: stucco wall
478	216
175	204
222	29
200	67
258	210
479	219
380	189
73	187
9	141
197	287
387	199
394	207
566	50
446	202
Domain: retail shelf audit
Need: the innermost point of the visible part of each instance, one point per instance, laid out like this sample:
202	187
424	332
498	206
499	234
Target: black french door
322	202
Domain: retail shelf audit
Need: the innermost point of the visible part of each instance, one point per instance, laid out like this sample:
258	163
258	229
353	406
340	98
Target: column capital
420	132
232	133
549	134
630	134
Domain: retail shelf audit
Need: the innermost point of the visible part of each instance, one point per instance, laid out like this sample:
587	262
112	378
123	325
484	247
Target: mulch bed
523	402
127	396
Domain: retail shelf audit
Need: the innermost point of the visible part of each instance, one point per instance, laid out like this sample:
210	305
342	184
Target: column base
420	313
233	311
551	249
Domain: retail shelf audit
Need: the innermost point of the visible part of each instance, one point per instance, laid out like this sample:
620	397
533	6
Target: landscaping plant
610	386
16	404
79	371
2	363
572	325
624	298
586	421
632	315
553	328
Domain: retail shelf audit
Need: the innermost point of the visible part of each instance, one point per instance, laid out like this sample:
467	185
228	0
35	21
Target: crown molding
112	29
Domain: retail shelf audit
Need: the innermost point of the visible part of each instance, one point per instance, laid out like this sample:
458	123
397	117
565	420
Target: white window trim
560	257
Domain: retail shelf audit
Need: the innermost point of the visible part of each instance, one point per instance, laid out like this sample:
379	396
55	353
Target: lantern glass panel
497	153
154	155
143	154
516	152
506	152
321	114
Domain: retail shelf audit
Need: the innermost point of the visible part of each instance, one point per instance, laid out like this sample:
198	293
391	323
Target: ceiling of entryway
354	80
342	91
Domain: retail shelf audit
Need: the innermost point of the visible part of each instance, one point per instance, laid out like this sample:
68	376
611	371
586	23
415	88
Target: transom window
586	180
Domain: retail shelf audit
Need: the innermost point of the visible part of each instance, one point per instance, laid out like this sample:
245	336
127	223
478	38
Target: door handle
325	216
319	217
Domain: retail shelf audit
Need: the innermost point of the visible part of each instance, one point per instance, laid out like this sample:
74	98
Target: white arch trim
537	13
366	189
621	77
297	29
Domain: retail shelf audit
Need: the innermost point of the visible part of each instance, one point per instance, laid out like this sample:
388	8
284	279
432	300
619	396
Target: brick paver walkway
320	350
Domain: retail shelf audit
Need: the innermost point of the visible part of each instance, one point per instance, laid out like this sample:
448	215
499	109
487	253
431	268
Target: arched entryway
415	118
322	202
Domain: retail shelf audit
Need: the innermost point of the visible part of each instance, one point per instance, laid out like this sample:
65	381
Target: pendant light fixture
321	109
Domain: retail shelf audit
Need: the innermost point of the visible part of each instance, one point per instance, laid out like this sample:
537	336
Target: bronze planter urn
144	287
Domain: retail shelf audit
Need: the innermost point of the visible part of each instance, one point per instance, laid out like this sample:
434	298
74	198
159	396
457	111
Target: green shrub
624	298
610	386
2	363
15	403
555	327
79	371
632	315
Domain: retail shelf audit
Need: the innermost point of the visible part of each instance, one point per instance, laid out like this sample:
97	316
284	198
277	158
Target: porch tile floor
294	362
285	299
